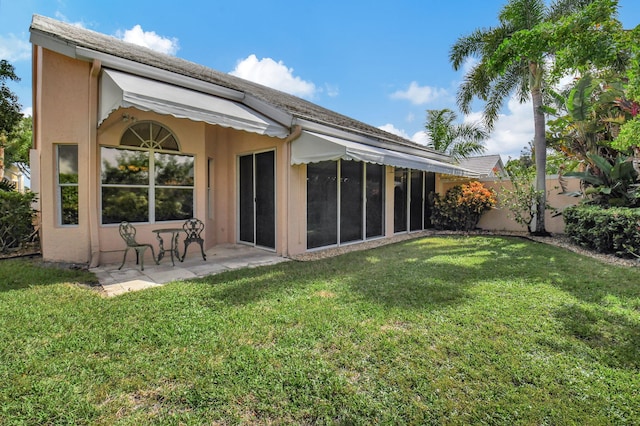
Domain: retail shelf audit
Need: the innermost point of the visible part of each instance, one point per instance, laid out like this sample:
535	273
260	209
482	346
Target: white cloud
512	131
27	112
332	90
14	49
150	39
394	130
468	64
420	137
276	75
420	95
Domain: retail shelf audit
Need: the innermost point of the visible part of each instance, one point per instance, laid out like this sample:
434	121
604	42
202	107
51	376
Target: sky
384	63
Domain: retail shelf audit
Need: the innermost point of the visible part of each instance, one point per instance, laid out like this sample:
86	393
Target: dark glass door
415	212
350	201
429	190
266	200
400	200
322	204
375	200
257	199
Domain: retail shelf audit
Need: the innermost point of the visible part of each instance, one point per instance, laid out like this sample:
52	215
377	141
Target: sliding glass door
345	202
256	199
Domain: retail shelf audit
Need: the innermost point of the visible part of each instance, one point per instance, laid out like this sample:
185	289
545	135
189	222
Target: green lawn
446	330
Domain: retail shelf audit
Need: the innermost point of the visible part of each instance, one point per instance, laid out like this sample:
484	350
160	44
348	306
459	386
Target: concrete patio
219	259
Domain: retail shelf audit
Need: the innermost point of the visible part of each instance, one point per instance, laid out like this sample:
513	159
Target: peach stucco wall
500	219
64	86
67	98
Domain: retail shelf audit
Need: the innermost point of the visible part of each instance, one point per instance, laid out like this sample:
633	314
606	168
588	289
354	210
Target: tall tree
458	140
19	142
10	114
532	45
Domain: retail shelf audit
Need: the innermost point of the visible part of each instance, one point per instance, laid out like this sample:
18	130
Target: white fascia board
269	110
51	43
369	140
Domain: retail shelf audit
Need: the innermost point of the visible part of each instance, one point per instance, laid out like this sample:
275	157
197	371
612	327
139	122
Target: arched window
146	179
148	134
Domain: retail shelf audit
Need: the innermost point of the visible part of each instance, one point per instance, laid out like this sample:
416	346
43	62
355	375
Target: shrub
614	230
461	207
16	219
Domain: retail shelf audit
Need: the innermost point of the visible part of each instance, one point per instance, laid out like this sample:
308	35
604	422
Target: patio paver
219	259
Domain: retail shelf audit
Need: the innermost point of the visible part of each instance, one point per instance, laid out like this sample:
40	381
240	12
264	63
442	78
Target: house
487	166
14	175
125	133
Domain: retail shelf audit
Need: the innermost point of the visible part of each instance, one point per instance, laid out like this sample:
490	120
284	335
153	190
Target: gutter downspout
295	134
94	235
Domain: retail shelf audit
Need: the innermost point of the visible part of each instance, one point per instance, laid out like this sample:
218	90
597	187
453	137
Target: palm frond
467	47
465	149
501	90
559	8
523	14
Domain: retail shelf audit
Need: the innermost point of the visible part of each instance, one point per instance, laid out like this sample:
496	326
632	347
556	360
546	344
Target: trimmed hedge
16	220
614	230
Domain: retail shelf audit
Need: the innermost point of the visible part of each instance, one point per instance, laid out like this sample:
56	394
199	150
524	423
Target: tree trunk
1	160
540	147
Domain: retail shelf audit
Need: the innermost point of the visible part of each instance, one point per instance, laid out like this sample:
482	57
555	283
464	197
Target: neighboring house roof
485	165
282	107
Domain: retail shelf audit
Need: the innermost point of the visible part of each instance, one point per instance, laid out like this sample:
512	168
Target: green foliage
16	220
629	136
594	108
611	183
521	196
614	230
514	58
457	140
10	114
461	207
19	142
557	163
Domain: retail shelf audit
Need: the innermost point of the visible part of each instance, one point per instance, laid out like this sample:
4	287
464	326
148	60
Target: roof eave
362	137
64	47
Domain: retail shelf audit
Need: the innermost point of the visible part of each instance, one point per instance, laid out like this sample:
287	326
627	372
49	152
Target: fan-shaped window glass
148	134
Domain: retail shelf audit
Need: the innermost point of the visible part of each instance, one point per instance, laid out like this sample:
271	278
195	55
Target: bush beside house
461	206
614	230
17	218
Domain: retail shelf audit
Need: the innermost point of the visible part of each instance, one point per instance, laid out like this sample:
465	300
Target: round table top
167	230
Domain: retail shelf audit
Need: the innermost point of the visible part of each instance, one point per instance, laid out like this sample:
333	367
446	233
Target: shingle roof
74	36
485	165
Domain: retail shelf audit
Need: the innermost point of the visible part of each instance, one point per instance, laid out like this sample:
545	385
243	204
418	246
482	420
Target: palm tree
513	59
458	140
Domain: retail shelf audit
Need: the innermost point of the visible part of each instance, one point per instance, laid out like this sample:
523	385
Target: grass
451	330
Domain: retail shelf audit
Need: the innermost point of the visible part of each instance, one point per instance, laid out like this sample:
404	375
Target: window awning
118	89
313	147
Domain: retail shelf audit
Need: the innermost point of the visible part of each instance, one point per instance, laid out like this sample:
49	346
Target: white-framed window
146	178
67	184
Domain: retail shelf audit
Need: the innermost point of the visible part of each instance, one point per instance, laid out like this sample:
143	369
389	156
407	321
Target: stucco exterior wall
499	217
64	86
